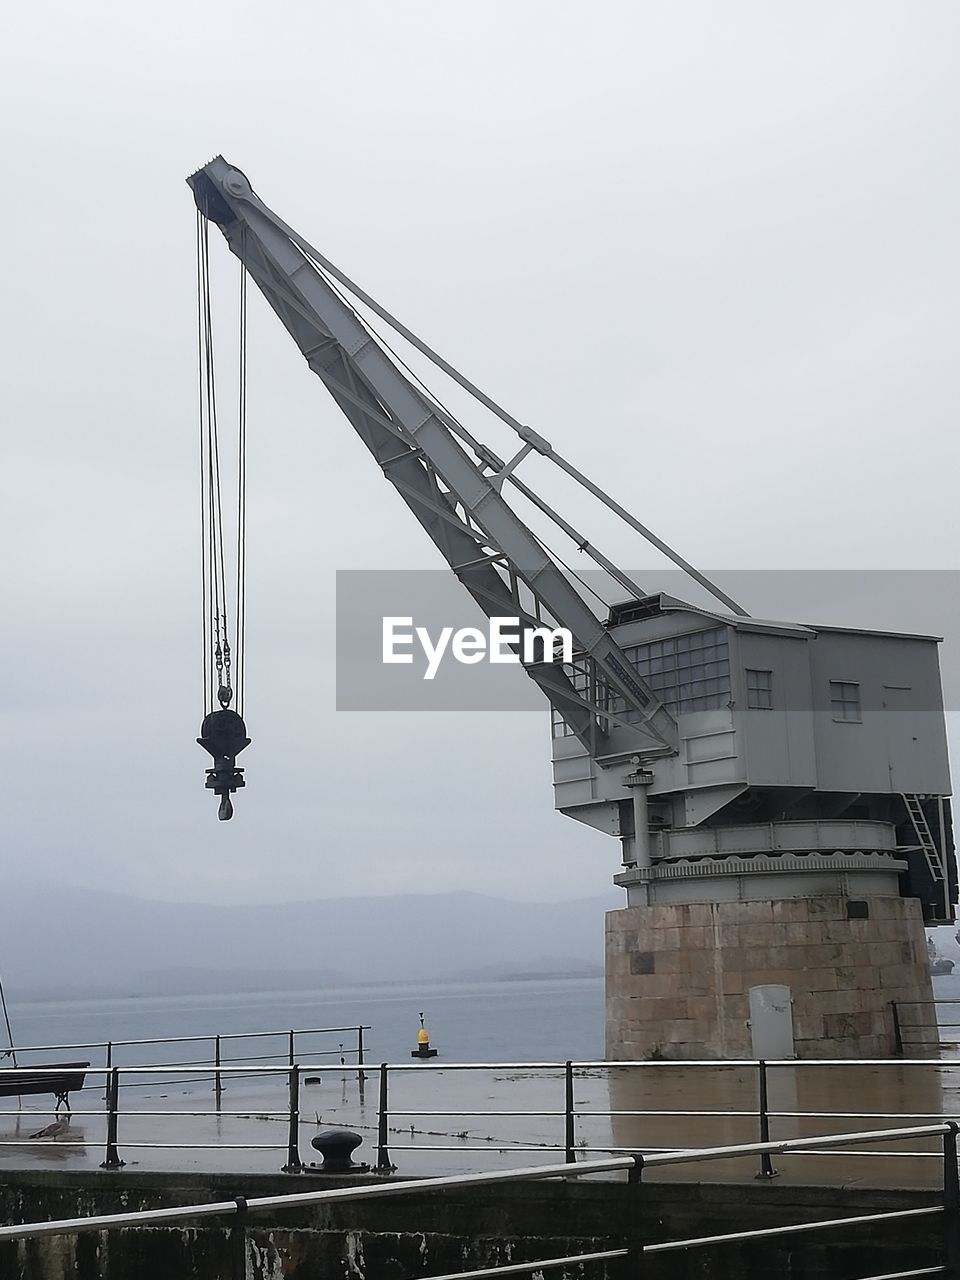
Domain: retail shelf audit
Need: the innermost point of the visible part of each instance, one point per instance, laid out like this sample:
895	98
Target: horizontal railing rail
206	1035
569	1112
297	1199
928	1033
542	1264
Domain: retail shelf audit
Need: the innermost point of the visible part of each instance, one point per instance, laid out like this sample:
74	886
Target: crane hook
224	735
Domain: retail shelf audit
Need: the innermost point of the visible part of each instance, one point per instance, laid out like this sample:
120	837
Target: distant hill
69	941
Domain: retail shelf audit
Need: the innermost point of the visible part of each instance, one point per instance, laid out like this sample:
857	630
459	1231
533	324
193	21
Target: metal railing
568	1116
240	1208
218	1060
112	1077
571	1115
903	1031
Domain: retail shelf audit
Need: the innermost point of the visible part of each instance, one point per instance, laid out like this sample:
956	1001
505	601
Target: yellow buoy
423	1049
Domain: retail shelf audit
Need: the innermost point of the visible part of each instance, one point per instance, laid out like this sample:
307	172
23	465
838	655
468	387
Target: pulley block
224	735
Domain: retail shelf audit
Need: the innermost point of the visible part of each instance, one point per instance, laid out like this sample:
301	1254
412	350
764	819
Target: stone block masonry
677	977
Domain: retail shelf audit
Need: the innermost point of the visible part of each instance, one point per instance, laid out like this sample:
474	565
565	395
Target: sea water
505	1021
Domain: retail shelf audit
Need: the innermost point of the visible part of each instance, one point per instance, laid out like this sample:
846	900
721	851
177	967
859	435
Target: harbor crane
758	774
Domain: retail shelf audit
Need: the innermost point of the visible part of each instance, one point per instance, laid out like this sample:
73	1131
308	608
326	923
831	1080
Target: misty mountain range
70	941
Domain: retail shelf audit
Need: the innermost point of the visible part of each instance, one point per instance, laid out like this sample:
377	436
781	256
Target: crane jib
630	681
456	497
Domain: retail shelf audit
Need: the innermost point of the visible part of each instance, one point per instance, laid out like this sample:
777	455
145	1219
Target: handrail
227	1208
794	1228
541	1264
159	1069
694	1154
633	1164
124	1078
676	1063
208	1035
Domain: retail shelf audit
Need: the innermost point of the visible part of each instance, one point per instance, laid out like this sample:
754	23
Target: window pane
759	689
845	700
677	669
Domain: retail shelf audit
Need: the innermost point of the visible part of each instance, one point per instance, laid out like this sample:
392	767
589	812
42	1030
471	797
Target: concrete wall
424	1235
677	976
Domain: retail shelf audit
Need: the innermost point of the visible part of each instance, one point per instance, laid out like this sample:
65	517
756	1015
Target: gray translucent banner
911	602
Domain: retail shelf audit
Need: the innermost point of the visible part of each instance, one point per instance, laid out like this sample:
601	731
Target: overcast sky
710	251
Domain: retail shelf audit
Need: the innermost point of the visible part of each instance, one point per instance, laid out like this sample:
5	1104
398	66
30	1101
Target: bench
60	1079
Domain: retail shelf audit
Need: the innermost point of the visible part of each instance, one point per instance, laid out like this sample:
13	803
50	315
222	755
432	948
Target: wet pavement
444	1120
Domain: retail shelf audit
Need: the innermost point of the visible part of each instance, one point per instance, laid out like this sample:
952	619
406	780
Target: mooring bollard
111	1159
337	1147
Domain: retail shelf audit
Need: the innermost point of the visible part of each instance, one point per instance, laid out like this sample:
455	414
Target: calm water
483	1022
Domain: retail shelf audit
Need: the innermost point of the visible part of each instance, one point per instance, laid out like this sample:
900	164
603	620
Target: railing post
291	1056
766	1164
108	1063
383	1151
897	1032
111	1159
238	1240
361	1078
568	1115
294	1164
633	1262
217	1082
951	1201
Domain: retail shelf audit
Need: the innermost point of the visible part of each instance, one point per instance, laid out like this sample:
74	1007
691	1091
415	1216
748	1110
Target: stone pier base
677	977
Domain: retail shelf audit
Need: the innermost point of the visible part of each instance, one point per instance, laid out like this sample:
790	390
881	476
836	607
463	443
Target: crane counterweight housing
780	791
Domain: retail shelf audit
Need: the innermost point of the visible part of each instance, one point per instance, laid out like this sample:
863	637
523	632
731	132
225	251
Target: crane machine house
781	861
779	790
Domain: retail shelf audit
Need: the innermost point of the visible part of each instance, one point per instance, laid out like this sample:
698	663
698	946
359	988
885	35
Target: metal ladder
925	837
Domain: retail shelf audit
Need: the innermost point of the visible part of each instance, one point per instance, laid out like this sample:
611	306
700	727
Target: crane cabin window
759	689
845	701
687	673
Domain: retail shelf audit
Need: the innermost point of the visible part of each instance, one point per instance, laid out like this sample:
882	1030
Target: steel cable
242	483
219	659
450	418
